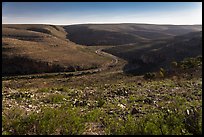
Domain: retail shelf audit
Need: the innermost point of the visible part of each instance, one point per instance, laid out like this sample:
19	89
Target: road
110	64
69	74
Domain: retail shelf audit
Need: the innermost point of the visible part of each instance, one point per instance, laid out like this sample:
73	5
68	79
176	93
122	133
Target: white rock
121	105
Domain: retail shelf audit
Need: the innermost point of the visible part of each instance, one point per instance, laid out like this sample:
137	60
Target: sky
66	13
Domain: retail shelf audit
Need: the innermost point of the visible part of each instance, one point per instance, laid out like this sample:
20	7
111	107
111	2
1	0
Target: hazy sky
65	13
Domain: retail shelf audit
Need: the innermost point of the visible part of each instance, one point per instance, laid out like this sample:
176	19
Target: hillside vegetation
106	104
28	49
150	56
106	97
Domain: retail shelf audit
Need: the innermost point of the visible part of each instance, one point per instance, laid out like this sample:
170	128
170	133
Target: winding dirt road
69	74
110	64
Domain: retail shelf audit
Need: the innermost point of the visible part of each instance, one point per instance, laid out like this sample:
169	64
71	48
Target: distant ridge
124	33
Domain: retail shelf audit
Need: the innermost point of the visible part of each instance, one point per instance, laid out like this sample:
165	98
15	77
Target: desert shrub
94	115
78	103
53	98
122	91
169	121
20	95
132	99
188	63
62	120
162	72
129	125
199	58
193	122
149	75
100	102
11	119
44	90
63	89
5	133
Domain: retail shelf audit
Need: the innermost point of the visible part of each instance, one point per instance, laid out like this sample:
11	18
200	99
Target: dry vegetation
106	102
44	44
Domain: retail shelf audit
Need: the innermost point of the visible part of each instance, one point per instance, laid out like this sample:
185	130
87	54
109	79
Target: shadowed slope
147	57
119	34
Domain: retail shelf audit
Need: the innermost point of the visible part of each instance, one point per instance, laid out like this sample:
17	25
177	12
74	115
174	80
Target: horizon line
92	24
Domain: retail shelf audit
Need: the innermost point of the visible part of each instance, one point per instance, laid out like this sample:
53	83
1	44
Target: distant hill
147	57
28	49
120	34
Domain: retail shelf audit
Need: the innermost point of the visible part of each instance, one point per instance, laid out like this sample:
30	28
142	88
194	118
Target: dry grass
52	48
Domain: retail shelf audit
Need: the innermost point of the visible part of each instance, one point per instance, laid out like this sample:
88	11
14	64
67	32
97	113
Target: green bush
166	122
188	63
53	98
193	121
49	121
94	115
61	121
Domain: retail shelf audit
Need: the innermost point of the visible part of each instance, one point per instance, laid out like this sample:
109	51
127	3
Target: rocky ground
101	106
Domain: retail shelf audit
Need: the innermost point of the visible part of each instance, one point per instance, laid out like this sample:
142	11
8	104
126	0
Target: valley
101	79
